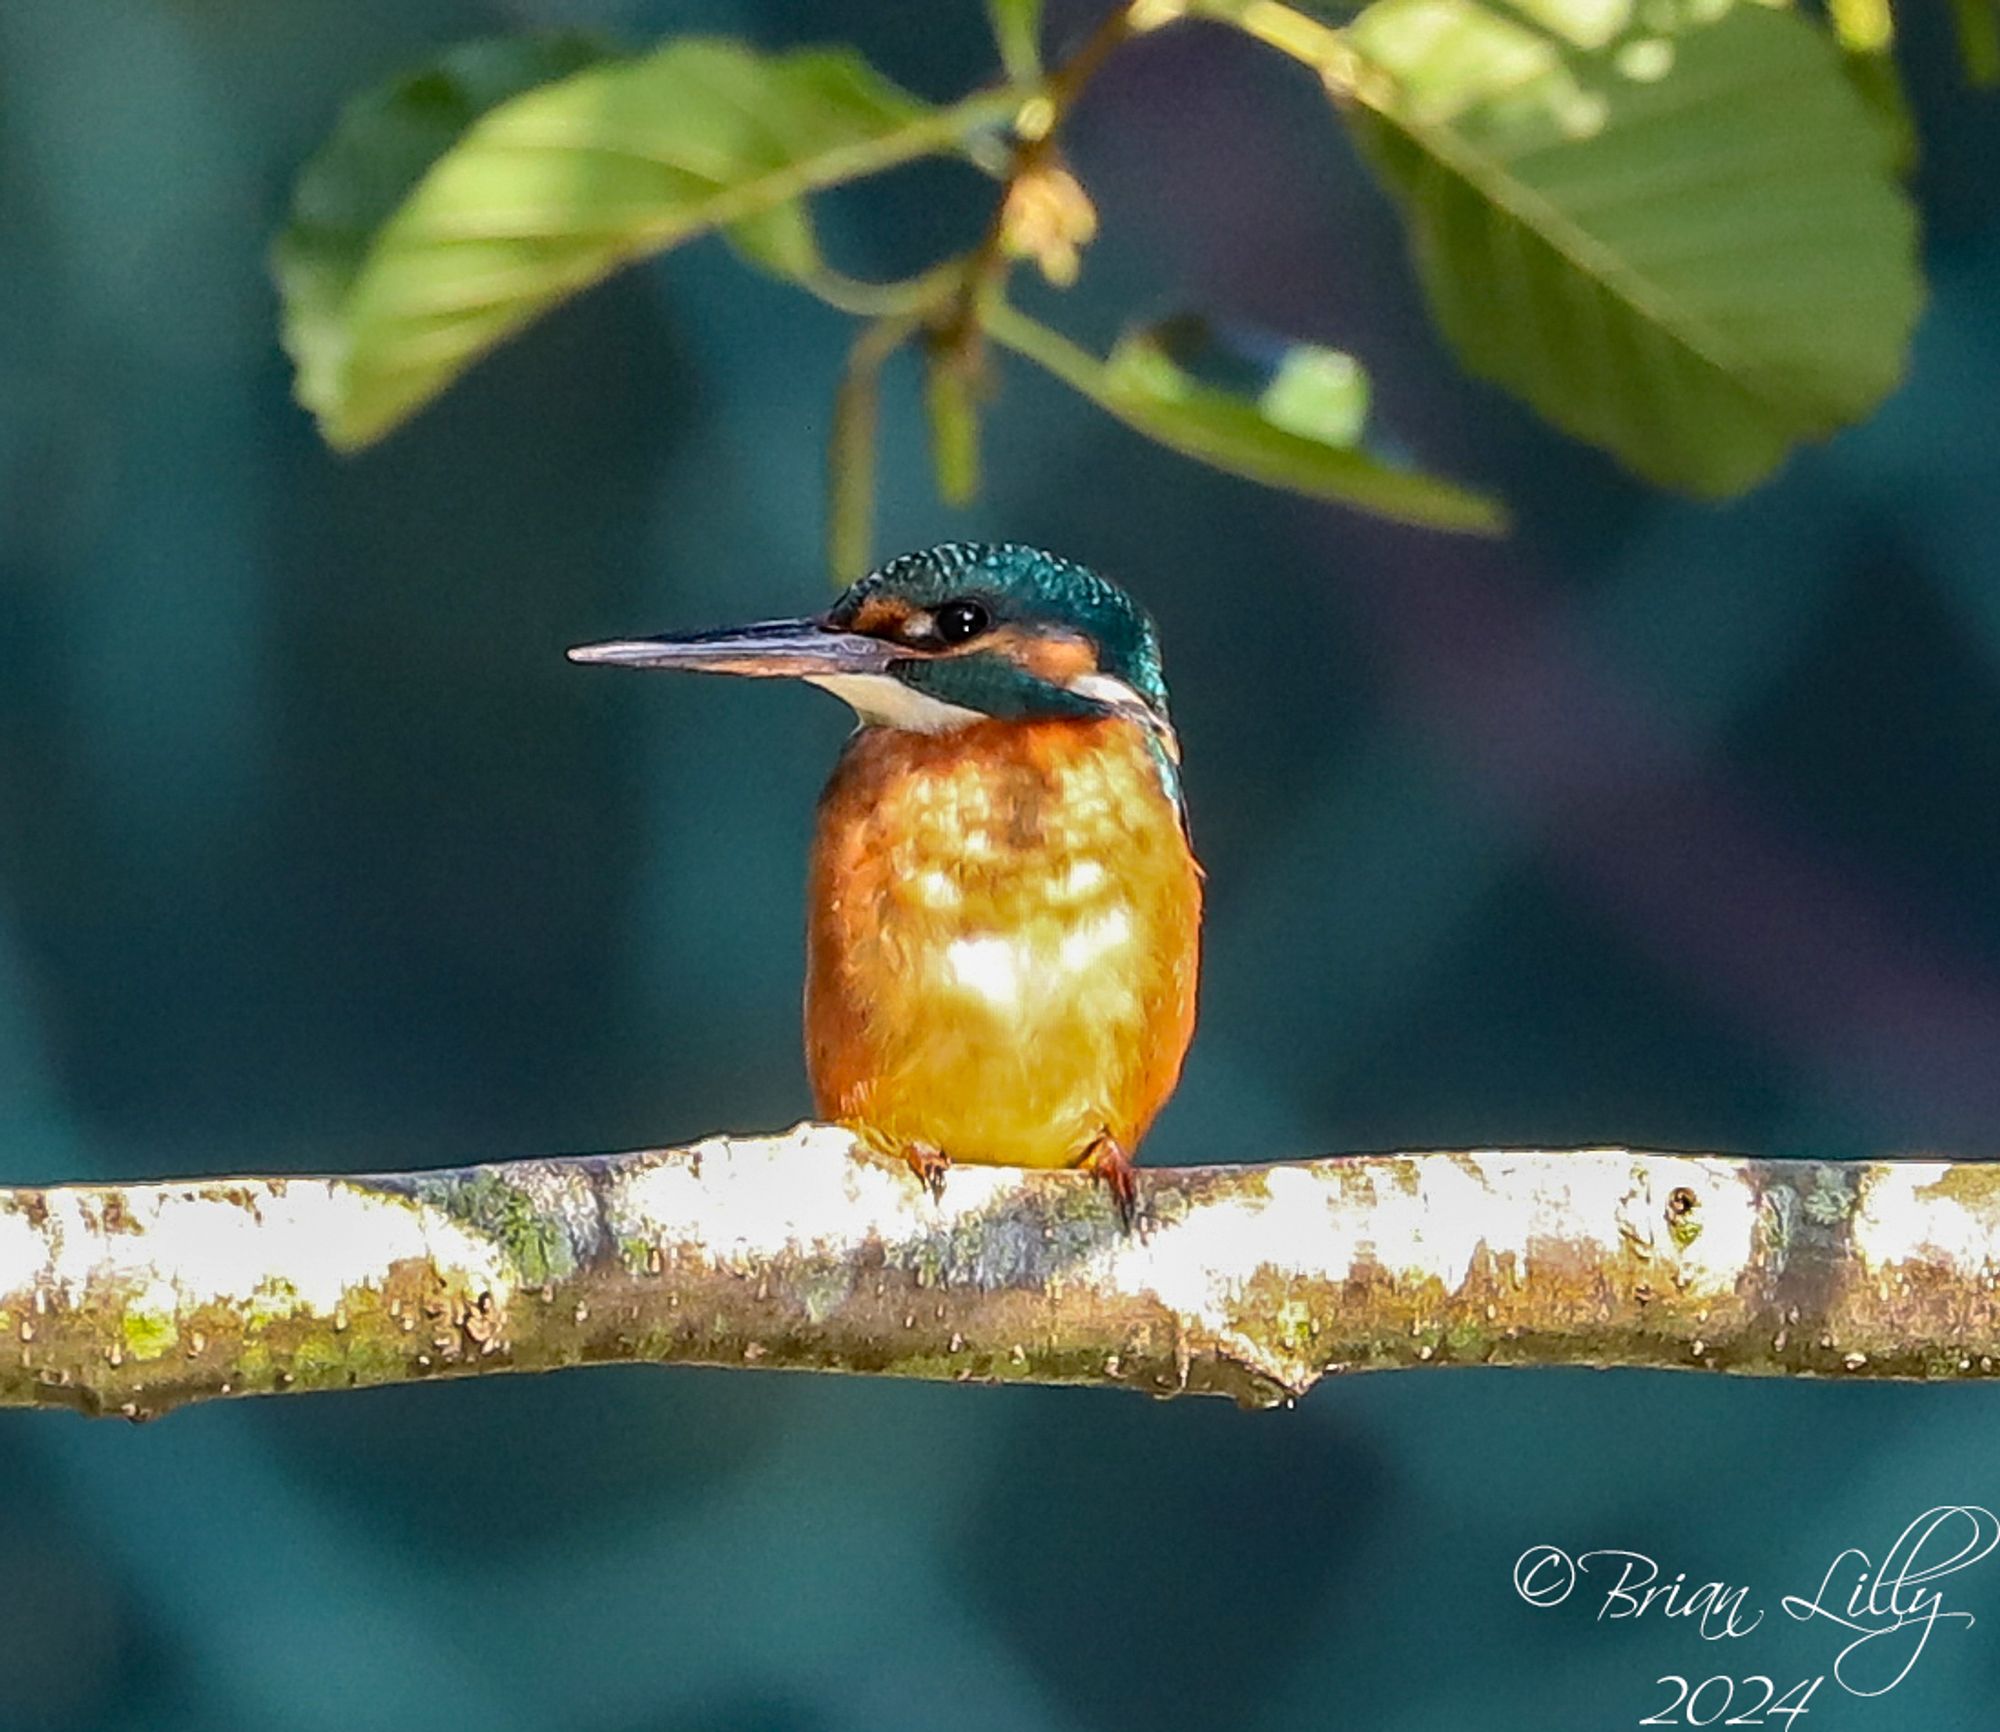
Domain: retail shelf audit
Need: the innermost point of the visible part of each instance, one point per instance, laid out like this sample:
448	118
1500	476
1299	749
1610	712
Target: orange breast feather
1003	938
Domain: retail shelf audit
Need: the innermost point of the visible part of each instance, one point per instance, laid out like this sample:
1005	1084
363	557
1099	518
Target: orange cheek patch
1057	657
881	616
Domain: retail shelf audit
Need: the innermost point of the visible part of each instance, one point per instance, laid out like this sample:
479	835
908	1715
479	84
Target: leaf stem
1048	348
850	450
1017	33
869	300
1321	46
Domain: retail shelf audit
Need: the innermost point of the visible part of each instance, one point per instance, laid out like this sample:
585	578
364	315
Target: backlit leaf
382	145
549	192
1978	39
1679	238
780	240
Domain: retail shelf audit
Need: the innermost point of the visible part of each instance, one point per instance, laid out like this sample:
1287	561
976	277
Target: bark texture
807	1252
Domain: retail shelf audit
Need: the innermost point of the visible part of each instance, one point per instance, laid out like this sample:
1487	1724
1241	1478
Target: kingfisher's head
936	640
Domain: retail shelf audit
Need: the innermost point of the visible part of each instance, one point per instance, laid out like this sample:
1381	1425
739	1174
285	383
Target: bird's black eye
961	621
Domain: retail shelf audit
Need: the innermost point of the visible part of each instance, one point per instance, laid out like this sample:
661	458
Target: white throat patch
1115	695
884	701
1109	690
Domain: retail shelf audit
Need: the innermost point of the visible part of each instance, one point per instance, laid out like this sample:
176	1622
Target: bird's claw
1108	1160
930	1165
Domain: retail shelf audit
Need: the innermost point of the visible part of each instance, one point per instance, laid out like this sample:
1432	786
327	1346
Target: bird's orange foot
1109	1161
930	1165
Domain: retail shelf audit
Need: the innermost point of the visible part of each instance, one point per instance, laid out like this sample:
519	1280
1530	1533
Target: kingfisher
1003	905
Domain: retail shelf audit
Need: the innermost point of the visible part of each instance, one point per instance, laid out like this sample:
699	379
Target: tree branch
804	1251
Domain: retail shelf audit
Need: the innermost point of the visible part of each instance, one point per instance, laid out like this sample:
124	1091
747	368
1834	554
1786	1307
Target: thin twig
1037	128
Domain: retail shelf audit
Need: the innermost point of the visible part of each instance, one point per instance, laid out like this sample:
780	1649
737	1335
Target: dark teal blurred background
1657	824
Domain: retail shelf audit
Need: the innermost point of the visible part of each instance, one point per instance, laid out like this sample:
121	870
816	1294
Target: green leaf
1308	445
1862	26
1319	394
1880	87
381	146
551	191
1315	392
1017	30
1680	239
1978	39
1866	33
780	240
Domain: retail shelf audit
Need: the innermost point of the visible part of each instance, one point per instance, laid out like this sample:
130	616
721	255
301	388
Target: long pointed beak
800	648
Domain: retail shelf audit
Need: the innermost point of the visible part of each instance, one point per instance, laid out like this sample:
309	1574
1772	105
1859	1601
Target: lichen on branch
807	1251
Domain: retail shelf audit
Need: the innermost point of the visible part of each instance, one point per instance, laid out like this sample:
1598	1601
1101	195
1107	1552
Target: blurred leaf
1332	11
1143	385
381	146
1681	240
951	406
1979	39
1017	29
1880	86
552	190
1862	26
779	240
1315	392
1318	394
